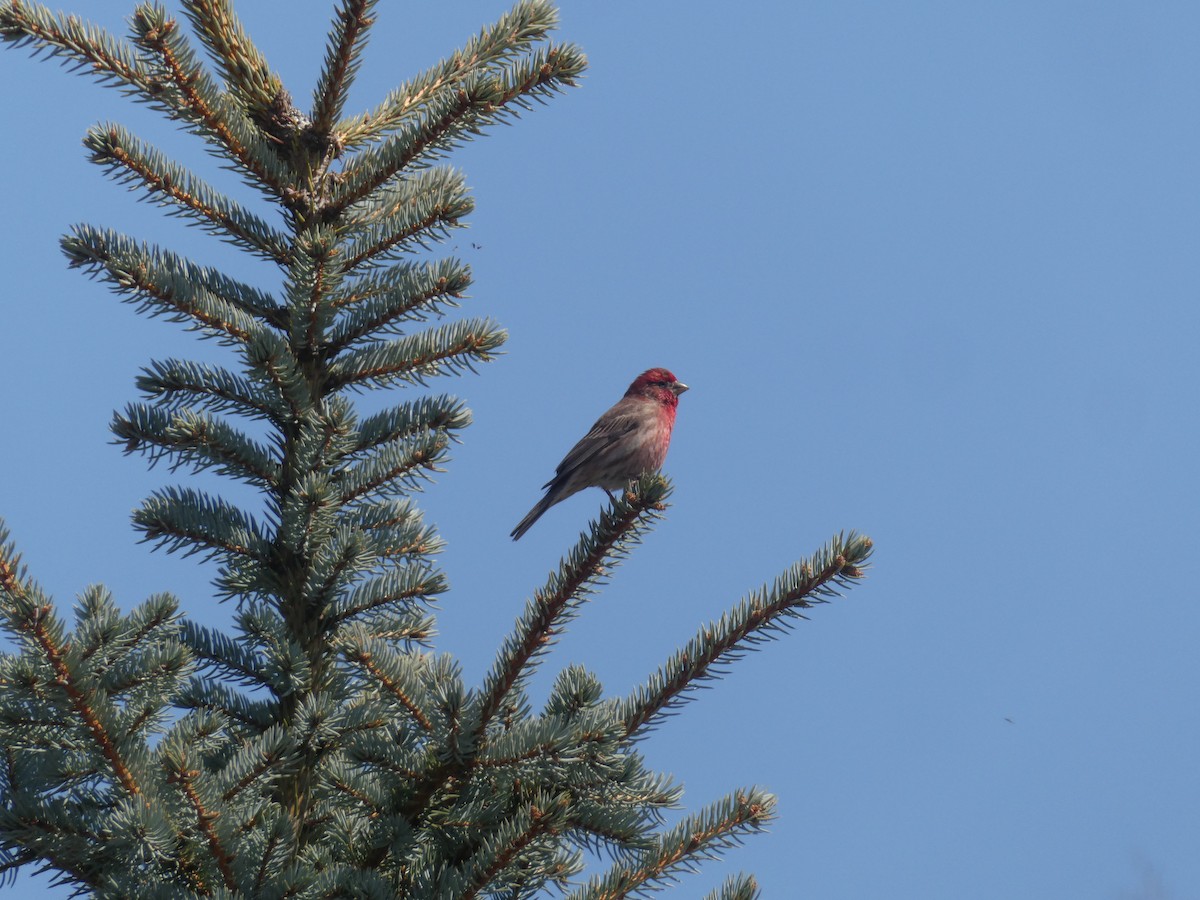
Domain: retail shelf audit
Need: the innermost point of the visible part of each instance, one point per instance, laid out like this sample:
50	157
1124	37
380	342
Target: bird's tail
534	514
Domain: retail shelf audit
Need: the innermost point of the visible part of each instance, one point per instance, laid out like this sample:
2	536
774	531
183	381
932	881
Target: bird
628	440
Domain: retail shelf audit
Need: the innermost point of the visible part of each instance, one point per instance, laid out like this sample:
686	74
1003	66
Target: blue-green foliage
321	748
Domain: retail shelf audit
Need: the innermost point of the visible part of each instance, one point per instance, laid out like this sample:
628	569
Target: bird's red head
657	384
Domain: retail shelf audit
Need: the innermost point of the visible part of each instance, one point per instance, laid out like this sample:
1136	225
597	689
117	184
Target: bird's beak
678	387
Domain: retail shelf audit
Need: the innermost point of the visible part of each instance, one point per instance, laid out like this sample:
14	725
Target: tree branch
204	819
30	614
341	62
697	837
835	567
618	528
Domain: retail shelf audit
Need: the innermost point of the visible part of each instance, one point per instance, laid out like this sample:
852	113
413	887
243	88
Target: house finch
629	439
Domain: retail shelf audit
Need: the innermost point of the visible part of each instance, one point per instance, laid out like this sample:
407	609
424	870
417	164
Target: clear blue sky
932	271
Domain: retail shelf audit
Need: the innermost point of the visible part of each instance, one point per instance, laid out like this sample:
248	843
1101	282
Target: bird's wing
607	431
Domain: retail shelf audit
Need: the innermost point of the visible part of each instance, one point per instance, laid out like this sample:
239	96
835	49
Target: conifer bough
319	749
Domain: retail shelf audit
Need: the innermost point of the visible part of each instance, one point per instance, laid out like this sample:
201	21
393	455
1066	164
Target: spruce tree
320	748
